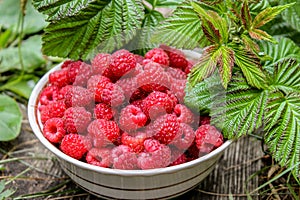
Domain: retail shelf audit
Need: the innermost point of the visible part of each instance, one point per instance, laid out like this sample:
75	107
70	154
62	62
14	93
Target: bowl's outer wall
126	184
157	186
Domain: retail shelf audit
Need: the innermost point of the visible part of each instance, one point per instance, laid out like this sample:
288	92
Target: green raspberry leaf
241	110
292	14
250	65
284	49
268	14
10	118
78	27
182	29
165	3
282	128
214	27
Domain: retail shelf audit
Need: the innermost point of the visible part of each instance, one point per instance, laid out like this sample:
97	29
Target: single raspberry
128	85
55	109
204	120
165	128
178	89
59	77
95	80
184	114
157	103
49	94
152	145
75	145
62	92
76	119
177	57
208	138
99	157
177	157
109	93
124	158
79	73
135	142
132	118
160	157
184	138
122	61
159	56
103	111
53	130
176	73
78	96
103	132
153	78
100	63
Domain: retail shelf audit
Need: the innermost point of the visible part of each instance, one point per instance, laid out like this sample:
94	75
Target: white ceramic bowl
164	183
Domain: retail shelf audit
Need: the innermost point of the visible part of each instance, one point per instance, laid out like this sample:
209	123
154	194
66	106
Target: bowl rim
33	121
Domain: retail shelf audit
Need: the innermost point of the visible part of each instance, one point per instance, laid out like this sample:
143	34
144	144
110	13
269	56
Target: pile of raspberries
125	111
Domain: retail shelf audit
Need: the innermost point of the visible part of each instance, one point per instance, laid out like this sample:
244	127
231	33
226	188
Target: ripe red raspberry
204	120
100	63
62	92
184	138
103	111
132	118
159	156
152	145
157	103
153	78
178	89
49	94
208	138
66	63
78	96
95	80
103	132
59	77
76	119
75	145
78	73
135	142
159	56
177	57
193	152
122	61
165	128
55	109
99	157
128	85
53	130
124	158
184	114
177	157
109	93
176	73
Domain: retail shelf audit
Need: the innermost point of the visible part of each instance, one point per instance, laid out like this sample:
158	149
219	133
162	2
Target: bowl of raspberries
119	127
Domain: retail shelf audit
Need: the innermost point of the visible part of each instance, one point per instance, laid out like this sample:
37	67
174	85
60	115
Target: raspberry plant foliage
246	79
